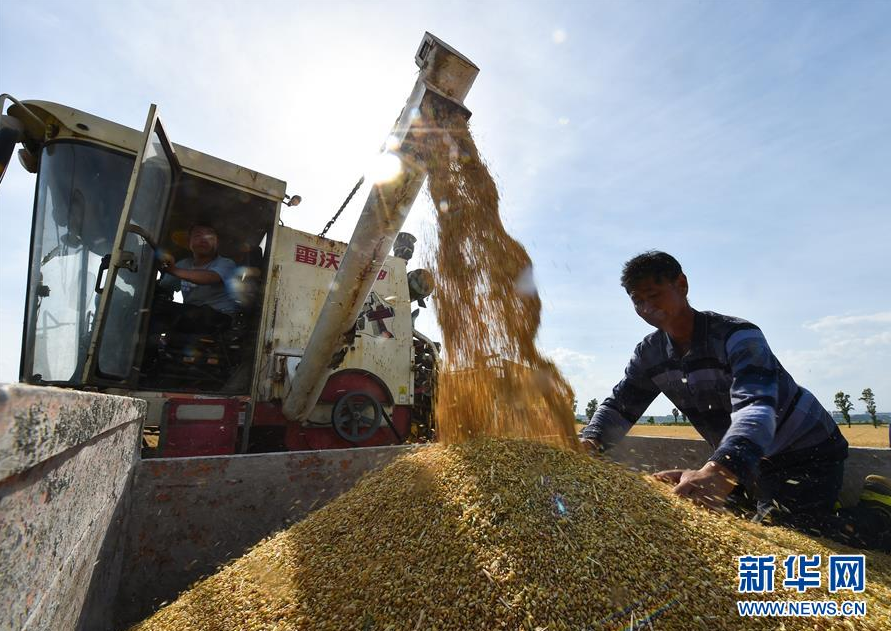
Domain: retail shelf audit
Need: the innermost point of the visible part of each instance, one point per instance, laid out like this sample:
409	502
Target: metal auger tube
444	73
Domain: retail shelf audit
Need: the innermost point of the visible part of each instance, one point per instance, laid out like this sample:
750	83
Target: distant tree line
844	405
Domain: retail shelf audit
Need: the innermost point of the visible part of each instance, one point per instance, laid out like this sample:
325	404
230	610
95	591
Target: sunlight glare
385	167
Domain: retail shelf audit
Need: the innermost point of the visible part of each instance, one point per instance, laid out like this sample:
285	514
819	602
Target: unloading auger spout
444	74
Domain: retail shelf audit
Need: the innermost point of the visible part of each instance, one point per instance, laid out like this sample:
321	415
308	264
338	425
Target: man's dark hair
654	265
202	224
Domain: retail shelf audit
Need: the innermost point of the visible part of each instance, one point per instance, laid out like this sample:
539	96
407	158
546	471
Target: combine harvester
320	378
322	361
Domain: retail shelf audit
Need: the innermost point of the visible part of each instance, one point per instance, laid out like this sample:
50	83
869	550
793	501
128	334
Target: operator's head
657	287
203	239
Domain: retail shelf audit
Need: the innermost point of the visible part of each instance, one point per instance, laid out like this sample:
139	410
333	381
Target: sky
749	139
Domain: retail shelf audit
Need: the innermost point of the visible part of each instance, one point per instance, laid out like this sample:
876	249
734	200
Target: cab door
125	282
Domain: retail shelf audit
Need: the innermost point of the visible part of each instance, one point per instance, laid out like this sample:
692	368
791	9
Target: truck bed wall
652	454
93	538
66	461
191	515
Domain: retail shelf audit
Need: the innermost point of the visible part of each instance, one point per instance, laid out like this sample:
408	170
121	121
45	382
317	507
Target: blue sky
750	139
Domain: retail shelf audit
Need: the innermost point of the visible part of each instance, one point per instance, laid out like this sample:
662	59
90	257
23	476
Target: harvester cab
109	201
320	352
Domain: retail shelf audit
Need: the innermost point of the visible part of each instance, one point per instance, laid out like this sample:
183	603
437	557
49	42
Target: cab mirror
11	132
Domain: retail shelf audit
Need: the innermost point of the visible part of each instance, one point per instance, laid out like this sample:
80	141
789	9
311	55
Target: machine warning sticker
321	258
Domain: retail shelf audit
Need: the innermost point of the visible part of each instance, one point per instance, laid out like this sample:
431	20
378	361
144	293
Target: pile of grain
505	534
494	381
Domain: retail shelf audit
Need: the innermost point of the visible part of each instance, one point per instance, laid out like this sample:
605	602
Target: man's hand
670	476
592	445
165	260
708	486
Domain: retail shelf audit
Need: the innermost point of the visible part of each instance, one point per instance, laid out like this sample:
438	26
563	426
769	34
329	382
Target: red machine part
345	381
199	427
299	438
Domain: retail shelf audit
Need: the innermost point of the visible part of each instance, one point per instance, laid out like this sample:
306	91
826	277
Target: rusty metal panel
190	515
68	458
37	423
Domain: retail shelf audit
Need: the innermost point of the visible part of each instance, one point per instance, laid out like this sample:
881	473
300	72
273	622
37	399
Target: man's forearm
740	456
195	276
751	432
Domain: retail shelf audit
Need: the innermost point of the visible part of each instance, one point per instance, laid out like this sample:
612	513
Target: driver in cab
203	280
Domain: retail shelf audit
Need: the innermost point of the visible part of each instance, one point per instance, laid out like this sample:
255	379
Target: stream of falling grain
494	381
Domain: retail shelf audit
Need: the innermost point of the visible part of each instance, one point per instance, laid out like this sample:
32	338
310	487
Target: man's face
659	303
203	241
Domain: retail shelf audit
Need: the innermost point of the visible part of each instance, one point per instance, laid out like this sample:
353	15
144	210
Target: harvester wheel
356	416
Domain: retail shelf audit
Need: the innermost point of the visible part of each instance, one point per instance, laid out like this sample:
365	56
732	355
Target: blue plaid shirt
729	385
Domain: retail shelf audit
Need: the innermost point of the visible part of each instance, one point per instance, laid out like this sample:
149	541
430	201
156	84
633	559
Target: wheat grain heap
483	532
505	534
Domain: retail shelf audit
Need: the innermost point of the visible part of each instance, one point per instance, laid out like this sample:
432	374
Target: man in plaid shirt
768	433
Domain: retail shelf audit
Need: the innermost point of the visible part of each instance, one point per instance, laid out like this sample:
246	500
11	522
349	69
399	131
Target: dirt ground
857	435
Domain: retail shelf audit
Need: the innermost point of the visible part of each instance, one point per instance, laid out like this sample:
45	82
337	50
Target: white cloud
587	376
835	323
572	362
851	352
